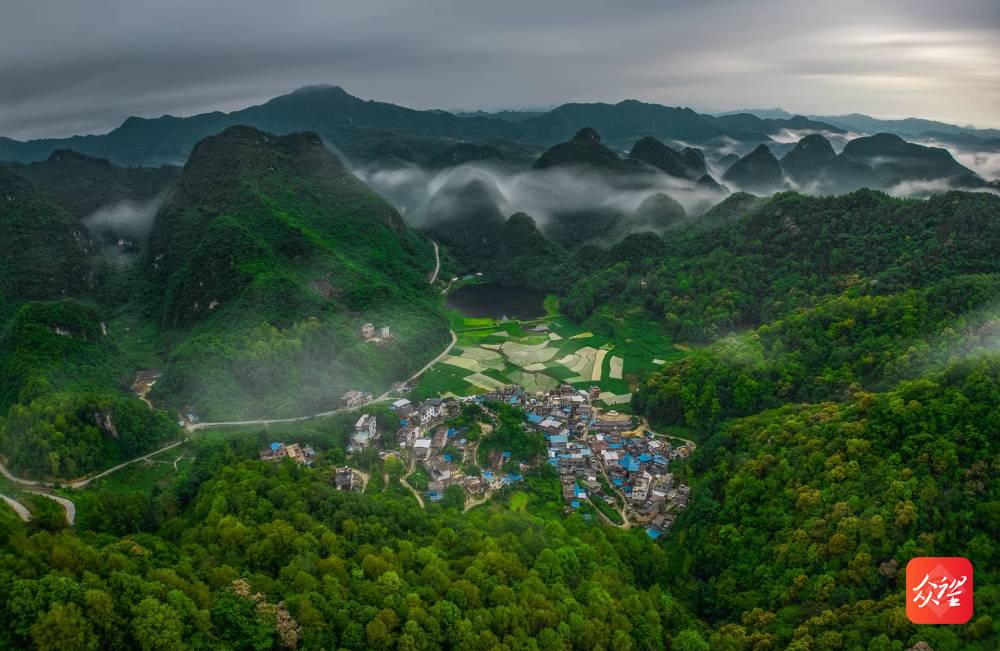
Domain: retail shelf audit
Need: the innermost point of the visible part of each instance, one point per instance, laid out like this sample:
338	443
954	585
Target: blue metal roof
653	533
275	446
507	454
446	457
645	457
534	419
575	504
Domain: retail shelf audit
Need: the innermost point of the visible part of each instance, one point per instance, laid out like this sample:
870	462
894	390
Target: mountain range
371	130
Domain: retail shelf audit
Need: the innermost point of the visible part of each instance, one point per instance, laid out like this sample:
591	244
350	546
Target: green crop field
540	355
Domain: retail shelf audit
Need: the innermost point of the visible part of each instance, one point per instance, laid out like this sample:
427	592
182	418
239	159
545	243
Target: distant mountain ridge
352	123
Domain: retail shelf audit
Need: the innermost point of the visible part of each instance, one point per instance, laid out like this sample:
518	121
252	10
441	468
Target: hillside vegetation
261	268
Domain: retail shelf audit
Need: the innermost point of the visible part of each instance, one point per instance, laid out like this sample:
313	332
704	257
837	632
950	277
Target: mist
120	228
425	197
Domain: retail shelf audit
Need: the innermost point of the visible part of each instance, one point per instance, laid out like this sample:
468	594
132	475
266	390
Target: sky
69	67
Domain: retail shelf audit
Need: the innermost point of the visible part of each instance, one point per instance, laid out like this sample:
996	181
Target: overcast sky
73	66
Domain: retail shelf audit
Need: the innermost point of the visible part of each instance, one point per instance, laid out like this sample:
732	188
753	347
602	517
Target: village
606	461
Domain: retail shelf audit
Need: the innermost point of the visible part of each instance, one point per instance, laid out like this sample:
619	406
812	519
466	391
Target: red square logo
939	590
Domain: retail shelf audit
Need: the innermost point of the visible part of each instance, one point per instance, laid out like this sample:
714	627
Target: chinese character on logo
939	590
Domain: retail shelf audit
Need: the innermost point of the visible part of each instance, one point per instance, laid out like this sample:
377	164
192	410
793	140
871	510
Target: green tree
63	628
156	627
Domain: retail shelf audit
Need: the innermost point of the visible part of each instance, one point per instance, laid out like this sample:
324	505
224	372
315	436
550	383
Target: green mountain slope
44	252
63	409
262	265
895	160
758	171
786	252
688	163
81	184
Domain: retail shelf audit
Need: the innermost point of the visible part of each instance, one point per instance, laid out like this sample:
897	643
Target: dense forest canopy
836	366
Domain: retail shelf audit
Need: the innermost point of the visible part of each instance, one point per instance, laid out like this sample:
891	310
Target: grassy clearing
519	501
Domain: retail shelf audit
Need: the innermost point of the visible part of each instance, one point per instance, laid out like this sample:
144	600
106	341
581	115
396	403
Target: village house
422	449
377	335
613	421
343	479
278	451
365	433
440	438
354	397
473	484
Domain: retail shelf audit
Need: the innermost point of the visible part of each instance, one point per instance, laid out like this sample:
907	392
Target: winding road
19	508
437	262
296	419
29	484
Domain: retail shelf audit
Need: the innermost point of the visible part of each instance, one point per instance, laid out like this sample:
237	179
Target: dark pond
497	301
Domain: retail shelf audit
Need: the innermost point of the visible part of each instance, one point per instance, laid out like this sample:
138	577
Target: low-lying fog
416	192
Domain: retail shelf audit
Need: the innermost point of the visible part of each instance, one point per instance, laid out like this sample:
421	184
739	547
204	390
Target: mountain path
19	508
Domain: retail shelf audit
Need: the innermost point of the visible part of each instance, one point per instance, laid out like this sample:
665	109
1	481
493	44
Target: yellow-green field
611	351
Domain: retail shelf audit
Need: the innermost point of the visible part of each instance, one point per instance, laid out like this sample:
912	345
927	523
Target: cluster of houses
377	335
440	449
637	467
599	455
277	451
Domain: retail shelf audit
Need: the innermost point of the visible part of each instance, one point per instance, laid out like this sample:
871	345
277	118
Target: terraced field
610	351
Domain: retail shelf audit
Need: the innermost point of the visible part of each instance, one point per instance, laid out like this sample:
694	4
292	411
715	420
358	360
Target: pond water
497	301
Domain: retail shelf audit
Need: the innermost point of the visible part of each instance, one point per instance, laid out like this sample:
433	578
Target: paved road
323	414
19	508
437	262
81	483
67	505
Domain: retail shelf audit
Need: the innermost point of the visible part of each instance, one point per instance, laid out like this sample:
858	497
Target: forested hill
44	251
730	272
844	405
263	264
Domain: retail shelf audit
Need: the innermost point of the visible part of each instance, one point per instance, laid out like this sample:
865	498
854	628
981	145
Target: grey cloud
70	66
